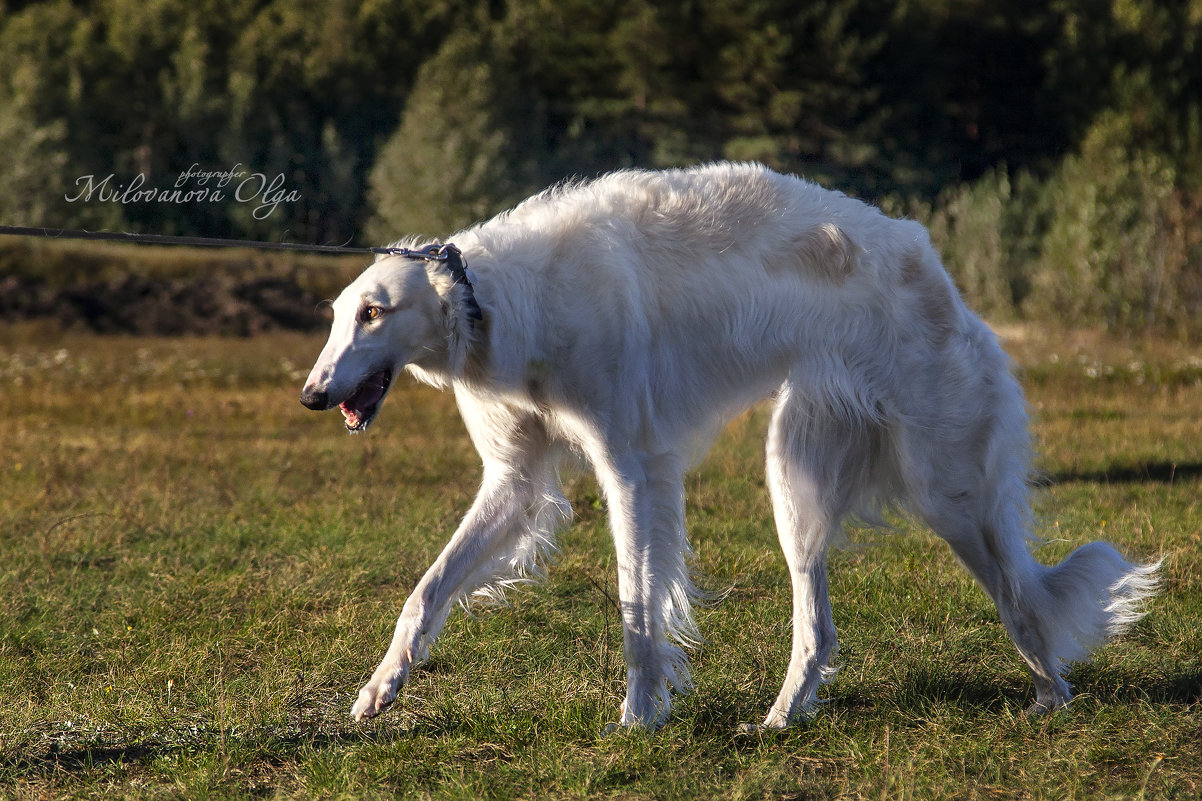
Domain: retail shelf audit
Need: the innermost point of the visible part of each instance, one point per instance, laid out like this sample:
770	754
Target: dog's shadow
990	693
922	692
80	758
918	691
1158	472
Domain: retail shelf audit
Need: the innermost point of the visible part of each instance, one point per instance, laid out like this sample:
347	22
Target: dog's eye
370	313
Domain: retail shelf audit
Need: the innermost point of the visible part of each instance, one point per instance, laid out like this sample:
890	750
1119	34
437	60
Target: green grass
196	575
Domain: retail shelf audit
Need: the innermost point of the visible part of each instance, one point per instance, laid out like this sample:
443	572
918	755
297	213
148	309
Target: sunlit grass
196	575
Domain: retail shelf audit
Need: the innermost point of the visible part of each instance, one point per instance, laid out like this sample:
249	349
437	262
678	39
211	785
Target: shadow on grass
979	692
1110	685
924	687
1131	473
265	746
973	692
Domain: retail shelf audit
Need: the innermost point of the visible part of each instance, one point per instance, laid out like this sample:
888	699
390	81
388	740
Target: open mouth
361	407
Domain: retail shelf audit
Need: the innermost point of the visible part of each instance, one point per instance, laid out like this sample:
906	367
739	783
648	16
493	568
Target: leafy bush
1109	238
1111	253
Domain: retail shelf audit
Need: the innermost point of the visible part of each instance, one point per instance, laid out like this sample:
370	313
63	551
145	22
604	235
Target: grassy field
196	575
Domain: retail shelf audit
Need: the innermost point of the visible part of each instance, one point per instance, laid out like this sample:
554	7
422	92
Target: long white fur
628	318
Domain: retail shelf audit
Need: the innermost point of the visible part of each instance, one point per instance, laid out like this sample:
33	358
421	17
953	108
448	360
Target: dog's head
392	315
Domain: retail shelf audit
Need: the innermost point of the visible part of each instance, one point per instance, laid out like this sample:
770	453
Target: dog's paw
1050	699
779	720
376	696
1041	709
761	729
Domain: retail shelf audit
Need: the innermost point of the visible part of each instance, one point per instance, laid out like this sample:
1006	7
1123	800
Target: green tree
33	170
314	88
603	75
1112	253
467	145
793	84
964	86
42	97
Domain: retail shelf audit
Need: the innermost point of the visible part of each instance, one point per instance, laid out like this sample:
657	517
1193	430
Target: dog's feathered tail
1092	596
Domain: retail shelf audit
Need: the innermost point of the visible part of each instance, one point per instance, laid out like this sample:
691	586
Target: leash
448	253
194	241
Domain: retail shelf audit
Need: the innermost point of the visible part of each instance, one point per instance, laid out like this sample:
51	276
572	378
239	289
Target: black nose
314	399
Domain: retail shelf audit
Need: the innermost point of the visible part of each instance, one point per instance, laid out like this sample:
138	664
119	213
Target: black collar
458	270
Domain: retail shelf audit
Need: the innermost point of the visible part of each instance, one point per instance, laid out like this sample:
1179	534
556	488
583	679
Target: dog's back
724	280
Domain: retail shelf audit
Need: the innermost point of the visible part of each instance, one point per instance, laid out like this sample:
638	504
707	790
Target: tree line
1032	135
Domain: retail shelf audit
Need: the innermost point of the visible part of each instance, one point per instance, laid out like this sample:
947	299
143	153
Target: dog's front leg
476	553
646	510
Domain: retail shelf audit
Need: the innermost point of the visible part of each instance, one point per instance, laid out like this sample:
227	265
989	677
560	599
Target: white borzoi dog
626	319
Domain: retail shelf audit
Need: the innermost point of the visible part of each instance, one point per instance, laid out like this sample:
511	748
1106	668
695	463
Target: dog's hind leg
645	495
814	475
974	494
517	510
1054	615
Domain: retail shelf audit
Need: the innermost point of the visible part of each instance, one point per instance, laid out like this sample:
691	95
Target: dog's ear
455	312
439	279
444	291
456	295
